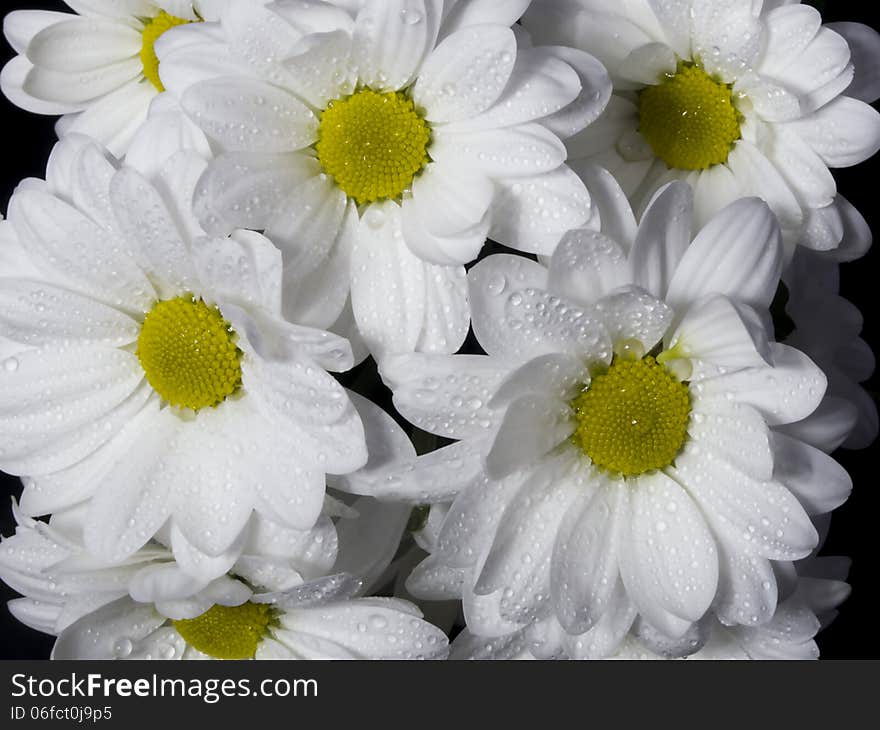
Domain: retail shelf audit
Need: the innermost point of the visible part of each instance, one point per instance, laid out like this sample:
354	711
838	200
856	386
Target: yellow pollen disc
373	144
689	119
188	354
156	27
227	632
632	418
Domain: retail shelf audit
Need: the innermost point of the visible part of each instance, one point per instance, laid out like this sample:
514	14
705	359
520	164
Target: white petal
124	518
320	68
369	542
663	237
473	518
649	63
747	590
817	480
466	73
805	171
591	101
145	220
712	334
81	86
756	175
827	427
518	565
556	375
737	433
533	426
789	30
244	190
388	283
864	44
120	9
584	565
634	315
608	632
448	251
788	391
447	309
843	133
98	635
540	85
308	400
60	238
20	26
761	515
522	150
38	314
83	45
114	119
450	198
668	557
68	470
478	12
433	478
246	115
738	254
388	632
587	266
491	282
610	203
533	213
391	37
822	61
446	395
50	393
12	80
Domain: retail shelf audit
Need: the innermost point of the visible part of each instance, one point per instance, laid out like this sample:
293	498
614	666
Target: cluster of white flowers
249	196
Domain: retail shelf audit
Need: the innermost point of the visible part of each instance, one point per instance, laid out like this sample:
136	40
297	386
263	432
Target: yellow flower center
156	27
373	144
632	418
227	632
689	119
189	354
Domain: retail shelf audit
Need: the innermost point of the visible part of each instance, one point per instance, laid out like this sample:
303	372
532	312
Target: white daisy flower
270	606
737	98
827	328
619	448
379	151
147	369
99	67
789	635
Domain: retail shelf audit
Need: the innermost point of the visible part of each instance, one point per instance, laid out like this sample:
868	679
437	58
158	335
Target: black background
25	143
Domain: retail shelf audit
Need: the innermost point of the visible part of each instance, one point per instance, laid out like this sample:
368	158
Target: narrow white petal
738	254
447	395
668	556
391	38
387	284
760	515
586	266
245	115
466	73
817	480
663	237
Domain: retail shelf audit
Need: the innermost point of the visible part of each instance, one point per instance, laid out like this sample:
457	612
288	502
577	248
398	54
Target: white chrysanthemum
145	367
98	68
827	328
737	98
621	447
789	635
379	151
273	605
